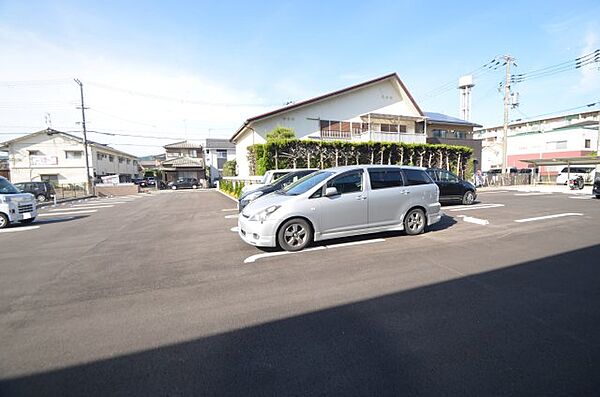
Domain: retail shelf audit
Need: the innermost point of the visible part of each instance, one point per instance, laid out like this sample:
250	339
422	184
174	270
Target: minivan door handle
361	198
404	191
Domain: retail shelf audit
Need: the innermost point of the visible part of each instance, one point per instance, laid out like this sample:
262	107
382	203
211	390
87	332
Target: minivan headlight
262	216
4	199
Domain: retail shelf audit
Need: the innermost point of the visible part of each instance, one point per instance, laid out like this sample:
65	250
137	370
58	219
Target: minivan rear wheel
41	198
294	235
414	222
468	198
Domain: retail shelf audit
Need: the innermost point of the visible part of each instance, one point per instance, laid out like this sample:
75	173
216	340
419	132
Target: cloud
590	74
123	95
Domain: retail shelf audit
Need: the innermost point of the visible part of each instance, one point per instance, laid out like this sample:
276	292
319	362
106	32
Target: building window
588	143
111	158
128	161
221	154
99	156
73	154
439	133
34	153
121	159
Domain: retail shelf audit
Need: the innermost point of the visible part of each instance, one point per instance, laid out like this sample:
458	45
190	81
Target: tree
229	168
281	133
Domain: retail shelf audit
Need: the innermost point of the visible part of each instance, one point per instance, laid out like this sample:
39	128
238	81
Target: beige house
183	160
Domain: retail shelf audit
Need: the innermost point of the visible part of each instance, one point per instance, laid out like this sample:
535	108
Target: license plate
26	215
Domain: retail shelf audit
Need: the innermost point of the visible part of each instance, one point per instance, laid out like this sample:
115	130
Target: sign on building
41	161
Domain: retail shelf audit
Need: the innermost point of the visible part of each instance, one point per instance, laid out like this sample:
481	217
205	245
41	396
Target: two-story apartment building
570	135
58	157
380	110
216	153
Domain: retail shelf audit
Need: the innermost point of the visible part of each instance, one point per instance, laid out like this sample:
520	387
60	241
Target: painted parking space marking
235	229
475	207
100	203
493	192
582	197
539	218
231	216
534	194
471	219
229	209
85	207
254	258
69	213
18	229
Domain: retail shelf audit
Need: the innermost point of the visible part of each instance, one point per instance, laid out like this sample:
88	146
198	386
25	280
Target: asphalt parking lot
156	295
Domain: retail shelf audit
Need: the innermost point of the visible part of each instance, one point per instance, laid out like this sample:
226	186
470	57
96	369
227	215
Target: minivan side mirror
331	191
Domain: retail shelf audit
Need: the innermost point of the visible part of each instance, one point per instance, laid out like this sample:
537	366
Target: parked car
453	188
268	178
15	206
280	183
596	188
184	183
42	191
341	202
586	172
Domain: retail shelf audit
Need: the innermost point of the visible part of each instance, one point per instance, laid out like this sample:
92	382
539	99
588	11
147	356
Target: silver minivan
342	202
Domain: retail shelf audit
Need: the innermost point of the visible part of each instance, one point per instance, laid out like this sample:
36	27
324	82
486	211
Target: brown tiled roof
183	145
183	162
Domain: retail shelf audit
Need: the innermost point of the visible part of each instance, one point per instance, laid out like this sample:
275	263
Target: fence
69	191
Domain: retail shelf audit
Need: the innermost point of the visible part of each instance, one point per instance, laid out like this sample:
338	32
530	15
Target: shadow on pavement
59	219
530	329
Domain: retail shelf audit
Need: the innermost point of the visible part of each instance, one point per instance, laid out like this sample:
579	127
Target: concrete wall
116	190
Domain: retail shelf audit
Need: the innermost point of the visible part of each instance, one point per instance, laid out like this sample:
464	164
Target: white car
14	205
341	202
586	172
268	178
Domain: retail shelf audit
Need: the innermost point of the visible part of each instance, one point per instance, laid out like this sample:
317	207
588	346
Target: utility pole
508	60
88	183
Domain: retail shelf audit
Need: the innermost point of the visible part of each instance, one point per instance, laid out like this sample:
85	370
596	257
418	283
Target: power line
577	63
589	105
175	99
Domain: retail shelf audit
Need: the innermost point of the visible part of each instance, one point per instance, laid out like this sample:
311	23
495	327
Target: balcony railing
375	136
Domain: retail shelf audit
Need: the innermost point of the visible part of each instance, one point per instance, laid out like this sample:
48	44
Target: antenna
48	120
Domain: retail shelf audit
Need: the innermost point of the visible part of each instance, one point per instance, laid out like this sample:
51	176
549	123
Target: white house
58	157
570	135
216	153
377	110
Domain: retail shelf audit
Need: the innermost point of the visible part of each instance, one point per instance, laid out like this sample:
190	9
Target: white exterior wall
67	170
105	167
385	97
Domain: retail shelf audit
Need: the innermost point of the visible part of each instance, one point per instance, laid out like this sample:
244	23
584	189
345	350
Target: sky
166	71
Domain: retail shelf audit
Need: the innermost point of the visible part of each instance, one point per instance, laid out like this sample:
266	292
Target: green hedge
296	153
230	187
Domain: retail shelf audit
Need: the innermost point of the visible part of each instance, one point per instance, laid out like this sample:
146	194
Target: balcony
356	135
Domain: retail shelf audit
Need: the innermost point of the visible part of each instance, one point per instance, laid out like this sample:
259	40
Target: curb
49	203
226	195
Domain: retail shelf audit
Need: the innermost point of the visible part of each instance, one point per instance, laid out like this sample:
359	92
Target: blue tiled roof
444	118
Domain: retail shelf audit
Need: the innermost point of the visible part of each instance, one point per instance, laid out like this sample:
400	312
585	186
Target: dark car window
7	188
382	178
446	176
416	177
349	182
306	183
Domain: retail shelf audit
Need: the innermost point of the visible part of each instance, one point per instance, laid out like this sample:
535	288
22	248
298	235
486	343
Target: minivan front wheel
468	198
294	235
41	198
4	222
414	222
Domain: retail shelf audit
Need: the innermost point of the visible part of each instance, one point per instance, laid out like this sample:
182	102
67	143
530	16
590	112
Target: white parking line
18	229
534	194
495	191
69	213
235	229
582	197
231	216
253	258
229	209
475	207
474	220
539	218
83	207
100	203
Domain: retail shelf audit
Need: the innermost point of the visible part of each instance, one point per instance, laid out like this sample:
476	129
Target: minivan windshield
303	185
7	188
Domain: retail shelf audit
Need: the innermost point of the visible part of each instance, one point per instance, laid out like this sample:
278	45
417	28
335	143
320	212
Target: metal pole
508	59
88	183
